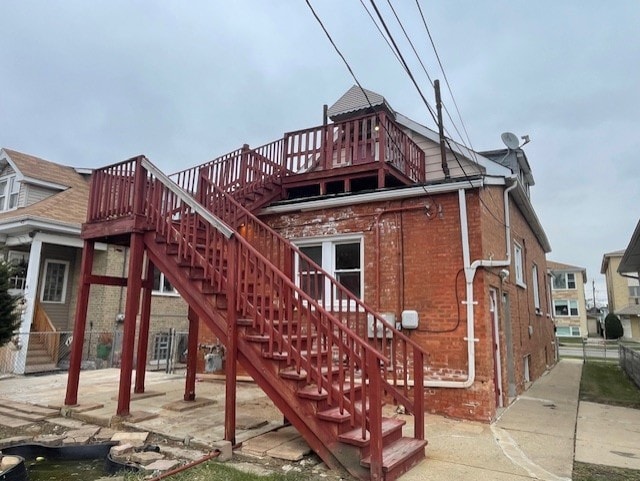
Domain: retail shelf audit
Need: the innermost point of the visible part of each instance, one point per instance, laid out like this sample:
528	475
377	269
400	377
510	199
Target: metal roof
356	99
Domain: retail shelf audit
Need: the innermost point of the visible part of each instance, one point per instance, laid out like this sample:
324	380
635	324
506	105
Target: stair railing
46	331
406	358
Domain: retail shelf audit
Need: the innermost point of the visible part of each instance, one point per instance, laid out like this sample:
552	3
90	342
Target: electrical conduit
470	269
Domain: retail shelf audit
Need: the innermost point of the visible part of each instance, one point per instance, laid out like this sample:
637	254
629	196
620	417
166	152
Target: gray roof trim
491	167
630	262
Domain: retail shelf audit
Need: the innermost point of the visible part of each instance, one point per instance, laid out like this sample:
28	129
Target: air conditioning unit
375	327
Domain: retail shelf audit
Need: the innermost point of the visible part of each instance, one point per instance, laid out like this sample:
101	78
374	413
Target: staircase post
232	343
134	284
82	305
192	356
418	394
375	414
143	330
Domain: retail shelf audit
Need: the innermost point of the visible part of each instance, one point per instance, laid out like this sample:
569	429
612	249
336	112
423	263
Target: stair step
31	369
291	373
403	453
281	356
389	427
311	392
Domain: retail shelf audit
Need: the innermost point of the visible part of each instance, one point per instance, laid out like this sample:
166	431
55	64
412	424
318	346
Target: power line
446	79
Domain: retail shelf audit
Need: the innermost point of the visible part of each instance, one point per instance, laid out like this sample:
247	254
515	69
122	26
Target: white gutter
470	269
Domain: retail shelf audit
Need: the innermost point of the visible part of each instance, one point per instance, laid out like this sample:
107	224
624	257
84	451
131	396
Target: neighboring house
42	207
567	297
623	291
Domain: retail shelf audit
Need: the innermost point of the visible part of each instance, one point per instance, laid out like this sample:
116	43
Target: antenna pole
443	151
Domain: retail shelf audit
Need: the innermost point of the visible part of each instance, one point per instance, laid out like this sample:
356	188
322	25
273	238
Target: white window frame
162	292
329	262
518	261
536	288
65	280
569	302
565	276
9	196
574	331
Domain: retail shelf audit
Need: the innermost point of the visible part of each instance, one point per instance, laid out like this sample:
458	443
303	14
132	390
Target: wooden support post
143	330
192	356
82	305
134	284
232	344
418	394
375	415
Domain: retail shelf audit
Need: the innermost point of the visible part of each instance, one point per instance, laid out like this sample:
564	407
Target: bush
9	314
613	326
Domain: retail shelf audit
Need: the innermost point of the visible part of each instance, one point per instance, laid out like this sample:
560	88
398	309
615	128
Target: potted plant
105	343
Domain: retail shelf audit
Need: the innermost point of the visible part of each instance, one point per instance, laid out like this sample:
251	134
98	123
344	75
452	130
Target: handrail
51	337
187	199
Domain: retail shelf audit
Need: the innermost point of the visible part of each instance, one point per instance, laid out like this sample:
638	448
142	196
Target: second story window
564	280
9	189
518	260
536	288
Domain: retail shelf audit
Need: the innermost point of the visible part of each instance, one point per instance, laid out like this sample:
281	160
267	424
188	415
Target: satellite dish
510	140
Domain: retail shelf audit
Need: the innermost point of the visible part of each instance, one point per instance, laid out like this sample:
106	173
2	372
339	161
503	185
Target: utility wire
446	79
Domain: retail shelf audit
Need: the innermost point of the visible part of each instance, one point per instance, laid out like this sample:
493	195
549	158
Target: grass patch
606	383
593	472
214	471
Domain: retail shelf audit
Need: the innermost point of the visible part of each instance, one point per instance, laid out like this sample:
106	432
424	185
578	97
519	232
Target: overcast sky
92	83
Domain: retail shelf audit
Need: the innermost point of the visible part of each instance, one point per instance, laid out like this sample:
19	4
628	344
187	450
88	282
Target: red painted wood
192	356
143	330
232	346
71	397
134	284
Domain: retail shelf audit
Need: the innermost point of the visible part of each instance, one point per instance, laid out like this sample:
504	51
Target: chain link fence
38	352
630	361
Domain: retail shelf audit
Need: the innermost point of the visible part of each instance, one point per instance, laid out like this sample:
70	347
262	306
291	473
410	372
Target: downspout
470	269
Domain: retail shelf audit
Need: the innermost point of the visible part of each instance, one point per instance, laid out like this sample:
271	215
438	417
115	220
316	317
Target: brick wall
413	260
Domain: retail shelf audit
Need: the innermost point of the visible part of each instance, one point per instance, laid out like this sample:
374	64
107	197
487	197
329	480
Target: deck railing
370	139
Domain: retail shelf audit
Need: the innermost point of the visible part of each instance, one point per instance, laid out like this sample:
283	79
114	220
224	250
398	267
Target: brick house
568	299
340	266
42	208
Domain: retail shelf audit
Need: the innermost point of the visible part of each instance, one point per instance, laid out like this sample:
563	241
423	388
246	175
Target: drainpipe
470	269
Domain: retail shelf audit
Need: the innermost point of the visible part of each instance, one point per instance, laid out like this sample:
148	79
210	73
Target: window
54	286
519	265
160	347
567	331
161	284
9	189
564	280
341	257
536	288
20	262
634	294
565	308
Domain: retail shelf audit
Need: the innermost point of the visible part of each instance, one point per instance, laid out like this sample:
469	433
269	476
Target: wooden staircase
312	357
38	357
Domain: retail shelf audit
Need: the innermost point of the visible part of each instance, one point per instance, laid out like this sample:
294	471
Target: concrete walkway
534	437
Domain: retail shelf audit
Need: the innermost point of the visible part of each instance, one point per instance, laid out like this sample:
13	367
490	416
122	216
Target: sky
92	83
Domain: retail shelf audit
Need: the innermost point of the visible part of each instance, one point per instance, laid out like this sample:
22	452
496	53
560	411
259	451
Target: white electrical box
376	331
410	319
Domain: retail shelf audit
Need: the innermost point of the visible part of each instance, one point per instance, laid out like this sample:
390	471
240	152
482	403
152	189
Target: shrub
613	326
9	313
